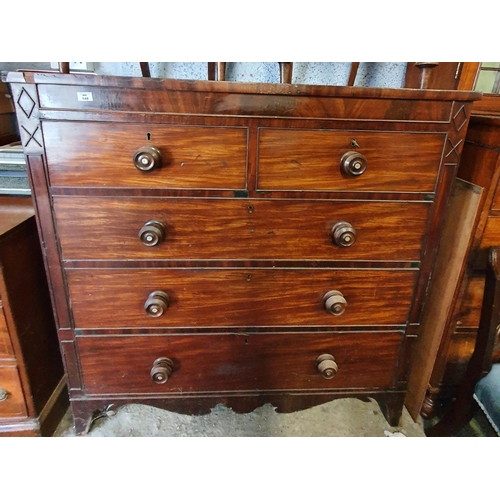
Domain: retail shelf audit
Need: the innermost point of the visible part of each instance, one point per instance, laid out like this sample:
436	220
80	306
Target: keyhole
246	341
148	136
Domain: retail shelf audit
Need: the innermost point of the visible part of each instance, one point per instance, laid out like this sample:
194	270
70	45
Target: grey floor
339	418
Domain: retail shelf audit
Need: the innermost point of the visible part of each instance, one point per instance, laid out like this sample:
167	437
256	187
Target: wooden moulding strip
456	239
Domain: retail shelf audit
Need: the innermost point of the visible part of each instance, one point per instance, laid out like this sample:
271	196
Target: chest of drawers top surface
248	229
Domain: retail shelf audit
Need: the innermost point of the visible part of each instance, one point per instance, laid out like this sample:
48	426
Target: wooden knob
326	366
353	163
3	394
157	304
147	158
152	233
343	234
162	370
334	302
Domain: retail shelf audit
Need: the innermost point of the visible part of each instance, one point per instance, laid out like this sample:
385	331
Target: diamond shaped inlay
460	117
26	103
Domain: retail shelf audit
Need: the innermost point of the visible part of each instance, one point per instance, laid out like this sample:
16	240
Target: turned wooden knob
162	370
147	158
326	366
3	394
353	163
157	304
334	302
152	233
343	234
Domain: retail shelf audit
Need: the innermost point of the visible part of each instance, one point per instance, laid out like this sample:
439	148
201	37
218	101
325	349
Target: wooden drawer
108	228
309	160
100	155
5	343
115	298
14	405
236	362
470	307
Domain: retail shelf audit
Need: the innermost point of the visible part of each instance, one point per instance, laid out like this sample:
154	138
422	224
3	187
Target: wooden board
460	222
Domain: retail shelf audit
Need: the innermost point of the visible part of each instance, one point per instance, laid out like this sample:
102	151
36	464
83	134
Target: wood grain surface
310	160
100	155
237	363
111	298
236	99
14	405
470	307
5	343
107	228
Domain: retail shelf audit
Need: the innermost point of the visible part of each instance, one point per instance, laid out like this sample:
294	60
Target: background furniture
33	396
482	378
480	166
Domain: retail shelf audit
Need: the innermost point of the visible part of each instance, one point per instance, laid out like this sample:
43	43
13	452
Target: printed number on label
84	96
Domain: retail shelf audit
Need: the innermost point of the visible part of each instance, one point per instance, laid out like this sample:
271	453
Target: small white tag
84	96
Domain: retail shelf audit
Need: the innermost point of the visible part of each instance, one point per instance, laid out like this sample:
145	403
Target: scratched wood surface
100	154
234	362
107	228
310	160
238	297
14	405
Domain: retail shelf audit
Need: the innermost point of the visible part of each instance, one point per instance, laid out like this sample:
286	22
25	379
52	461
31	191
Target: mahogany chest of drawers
218	242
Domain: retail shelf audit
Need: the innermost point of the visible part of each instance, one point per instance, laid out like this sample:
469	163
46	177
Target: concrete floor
339	418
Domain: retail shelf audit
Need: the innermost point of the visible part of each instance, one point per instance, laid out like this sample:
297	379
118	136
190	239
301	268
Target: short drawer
310	160
108	228
12	402
116	298
5	343
237	363
101	155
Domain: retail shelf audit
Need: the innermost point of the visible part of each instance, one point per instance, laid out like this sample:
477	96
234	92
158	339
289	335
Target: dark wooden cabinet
480	166
33	395
217	242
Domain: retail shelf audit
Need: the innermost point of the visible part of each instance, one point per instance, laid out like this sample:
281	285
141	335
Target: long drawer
233	362
108	228
101	155
116	298
310	160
